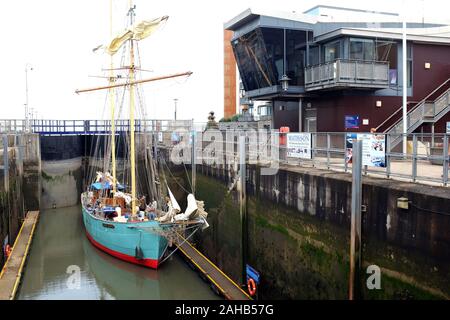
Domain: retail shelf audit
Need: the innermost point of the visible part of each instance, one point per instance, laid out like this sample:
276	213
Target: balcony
344	74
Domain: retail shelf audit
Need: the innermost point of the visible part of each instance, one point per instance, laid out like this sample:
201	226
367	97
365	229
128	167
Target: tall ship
133	217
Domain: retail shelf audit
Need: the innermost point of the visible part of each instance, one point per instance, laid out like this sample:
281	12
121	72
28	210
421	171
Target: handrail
345	60
80	126
417	105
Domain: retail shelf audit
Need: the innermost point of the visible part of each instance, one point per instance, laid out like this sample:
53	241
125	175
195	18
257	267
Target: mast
111	97
133	155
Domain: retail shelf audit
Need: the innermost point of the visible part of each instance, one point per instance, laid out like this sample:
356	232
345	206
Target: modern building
329	70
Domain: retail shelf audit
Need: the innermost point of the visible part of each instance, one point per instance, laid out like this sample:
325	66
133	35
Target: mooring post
6	162
243	203
355	235
193	161
445	161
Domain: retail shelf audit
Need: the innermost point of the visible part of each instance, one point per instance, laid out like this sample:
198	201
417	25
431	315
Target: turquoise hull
127	241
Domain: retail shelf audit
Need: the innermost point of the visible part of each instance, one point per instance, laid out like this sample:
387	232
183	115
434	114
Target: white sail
192	205
190	210
175	204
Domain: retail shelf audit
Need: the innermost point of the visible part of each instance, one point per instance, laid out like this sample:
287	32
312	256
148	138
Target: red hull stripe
149	263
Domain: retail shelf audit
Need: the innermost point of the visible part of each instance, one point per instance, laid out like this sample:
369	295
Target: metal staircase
424	112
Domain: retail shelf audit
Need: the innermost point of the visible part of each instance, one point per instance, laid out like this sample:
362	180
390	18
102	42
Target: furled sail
138	32
145	28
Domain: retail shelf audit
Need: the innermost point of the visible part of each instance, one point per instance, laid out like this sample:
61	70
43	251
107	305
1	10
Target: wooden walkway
12	271
227	287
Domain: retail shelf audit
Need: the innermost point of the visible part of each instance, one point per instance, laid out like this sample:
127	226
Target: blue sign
448	127
351	122
252	273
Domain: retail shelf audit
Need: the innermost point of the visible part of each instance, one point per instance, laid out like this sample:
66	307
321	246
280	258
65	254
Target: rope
178	246
189	180
165	163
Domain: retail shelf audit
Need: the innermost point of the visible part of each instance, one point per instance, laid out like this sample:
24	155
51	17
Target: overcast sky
57	37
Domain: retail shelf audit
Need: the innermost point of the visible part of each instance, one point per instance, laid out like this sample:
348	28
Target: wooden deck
227	287
12	271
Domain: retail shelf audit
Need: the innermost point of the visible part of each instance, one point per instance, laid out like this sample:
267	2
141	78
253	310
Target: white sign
448	127
373	149
299	145
160	137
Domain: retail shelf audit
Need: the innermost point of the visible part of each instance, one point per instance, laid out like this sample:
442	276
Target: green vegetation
231	119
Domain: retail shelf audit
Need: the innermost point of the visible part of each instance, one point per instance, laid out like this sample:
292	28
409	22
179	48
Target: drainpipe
300	115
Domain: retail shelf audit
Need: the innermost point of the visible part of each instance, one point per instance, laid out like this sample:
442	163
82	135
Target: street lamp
175	101
28	67
285	82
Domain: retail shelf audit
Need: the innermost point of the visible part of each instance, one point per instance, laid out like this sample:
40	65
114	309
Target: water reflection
60	243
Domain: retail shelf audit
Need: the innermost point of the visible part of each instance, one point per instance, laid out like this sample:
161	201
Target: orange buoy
251	286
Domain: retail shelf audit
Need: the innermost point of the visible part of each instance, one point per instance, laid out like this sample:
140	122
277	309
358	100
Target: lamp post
175	101
405	82
27	112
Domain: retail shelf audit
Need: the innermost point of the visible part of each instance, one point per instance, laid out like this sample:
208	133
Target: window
362	49
314	56
332	51
296	56
388	51
274	43
409	64
254	62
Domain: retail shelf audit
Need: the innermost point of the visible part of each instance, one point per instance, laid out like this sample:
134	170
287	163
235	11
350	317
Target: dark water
60	247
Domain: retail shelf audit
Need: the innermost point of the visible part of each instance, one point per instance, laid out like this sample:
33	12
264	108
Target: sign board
252	273
374	149
351	122
448	128
299	145
160	137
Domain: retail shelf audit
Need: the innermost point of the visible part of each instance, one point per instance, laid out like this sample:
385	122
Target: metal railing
71	127
347	73
426	160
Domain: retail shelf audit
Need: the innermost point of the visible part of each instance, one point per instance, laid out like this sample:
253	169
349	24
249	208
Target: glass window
314	58
410	65
274	43
253	61
409	73
362	49
387	51
296	56
332	51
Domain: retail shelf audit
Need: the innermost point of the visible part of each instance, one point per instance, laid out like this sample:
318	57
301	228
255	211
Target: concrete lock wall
299	231
19	184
